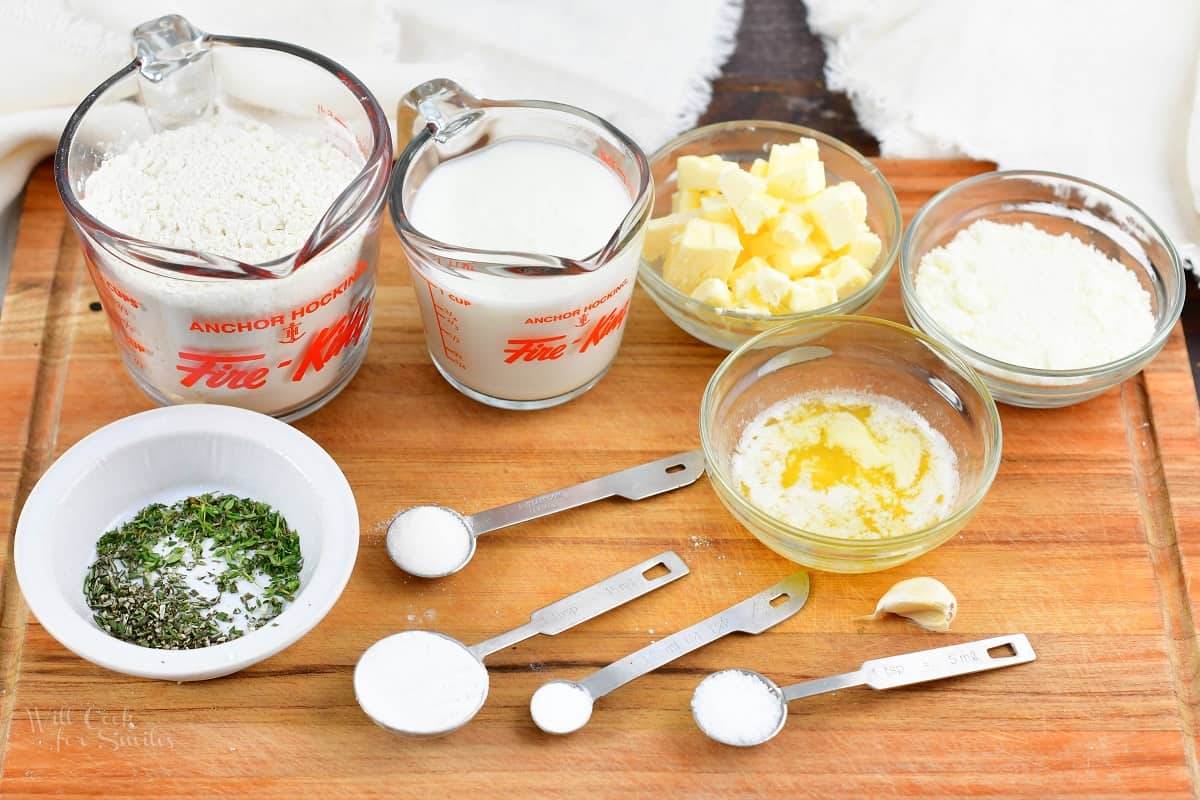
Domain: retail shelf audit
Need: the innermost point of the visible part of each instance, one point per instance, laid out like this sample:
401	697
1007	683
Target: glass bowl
1057	204
865	355
743	141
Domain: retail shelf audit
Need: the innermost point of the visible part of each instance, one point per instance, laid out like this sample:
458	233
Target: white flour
245	191
1027	297
419	682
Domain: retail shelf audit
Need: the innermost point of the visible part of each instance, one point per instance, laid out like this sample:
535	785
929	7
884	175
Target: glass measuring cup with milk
523	223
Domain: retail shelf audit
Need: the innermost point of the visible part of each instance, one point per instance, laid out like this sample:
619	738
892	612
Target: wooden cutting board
1085	543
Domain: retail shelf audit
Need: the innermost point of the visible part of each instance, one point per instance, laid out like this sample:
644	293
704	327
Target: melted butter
871	465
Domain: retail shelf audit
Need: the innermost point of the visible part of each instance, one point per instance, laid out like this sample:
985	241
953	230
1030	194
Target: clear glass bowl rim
658	284
990	468
1163	324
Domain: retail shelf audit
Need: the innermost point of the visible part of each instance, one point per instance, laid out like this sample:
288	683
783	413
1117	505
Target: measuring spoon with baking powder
431	541
713	716
566	706
424	683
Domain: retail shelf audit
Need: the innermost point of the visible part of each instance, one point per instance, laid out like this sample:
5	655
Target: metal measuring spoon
434	541
878	673
428	700
755	614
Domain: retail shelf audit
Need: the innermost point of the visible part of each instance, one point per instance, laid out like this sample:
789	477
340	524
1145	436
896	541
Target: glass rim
991	464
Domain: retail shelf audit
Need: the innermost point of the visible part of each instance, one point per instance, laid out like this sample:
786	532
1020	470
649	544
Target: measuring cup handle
753	615
635	483
591	602
946	662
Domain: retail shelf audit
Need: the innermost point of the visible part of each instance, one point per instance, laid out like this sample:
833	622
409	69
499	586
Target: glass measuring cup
879	673
563	707
442	697
281	337
517	330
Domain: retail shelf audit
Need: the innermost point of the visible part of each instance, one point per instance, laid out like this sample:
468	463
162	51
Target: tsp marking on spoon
880	673
434	541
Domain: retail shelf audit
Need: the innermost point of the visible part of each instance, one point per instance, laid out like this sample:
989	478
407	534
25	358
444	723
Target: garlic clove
925	601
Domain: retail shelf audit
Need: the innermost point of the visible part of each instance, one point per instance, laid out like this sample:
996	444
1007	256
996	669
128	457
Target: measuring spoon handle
635	483
946	662
755	614
591	602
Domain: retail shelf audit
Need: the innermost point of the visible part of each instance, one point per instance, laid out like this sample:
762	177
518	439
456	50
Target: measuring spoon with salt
566	706
424	683
431	541
743	708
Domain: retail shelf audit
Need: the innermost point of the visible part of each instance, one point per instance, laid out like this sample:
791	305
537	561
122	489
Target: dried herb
145	586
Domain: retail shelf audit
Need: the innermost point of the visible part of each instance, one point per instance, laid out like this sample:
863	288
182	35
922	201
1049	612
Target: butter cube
713	291
703	250
717	209
748	197
847	433
904	451
685	201
660	232
796	262
865	247
790	157
759	168
791	230
809	294
757	286
837	212
700	174
846	274
799	183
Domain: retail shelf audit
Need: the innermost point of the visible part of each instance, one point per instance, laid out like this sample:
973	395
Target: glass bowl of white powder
849	444
742	142
1053	288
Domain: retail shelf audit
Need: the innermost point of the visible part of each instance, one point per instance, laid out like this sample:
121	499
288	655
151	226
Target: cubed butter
759	168
660	232
757	286
703	249
694	173
846	274
791	230
865	247
804	181
809	294
796	262
717	209
685	200
788	157
837	212
748	197
713	291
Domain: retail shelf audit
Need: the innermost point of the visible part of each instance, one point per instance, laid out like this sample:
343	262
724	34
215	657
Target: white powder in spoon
419	682
736	707
429	541
561	707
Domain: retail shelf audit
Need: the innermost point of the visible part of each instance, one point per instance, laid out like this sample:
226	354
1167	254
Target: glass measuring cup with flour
227	193
522	222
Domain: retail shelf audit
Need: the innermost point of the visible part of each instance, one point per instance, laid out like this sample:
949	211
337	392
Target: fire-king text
551	348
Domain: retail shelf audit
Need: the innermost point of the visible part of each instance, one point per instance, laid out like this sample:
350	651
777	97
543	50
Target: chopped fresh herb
142	587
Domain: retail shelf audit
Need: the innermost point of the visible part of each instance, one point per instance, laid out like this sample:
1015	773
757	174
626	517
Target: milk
523	339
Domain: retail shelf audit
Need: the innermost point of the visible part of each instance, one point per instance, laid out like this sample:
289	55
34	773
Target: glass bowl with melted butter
849	444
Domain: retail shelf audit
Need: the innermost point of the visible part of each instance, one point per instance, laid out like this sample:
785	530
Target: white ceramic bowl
166	455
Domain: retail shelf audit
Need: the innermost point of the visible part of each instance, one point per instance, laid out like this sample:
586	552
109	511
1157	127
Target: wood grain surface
1086	543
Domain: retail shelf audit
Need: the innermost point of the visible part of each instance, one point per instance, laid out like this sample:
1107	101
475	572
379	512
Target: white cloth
1101	89
646	67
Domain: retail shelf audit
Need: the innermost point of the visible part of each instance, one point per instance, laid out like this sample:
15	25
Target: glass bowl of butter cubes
761	223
